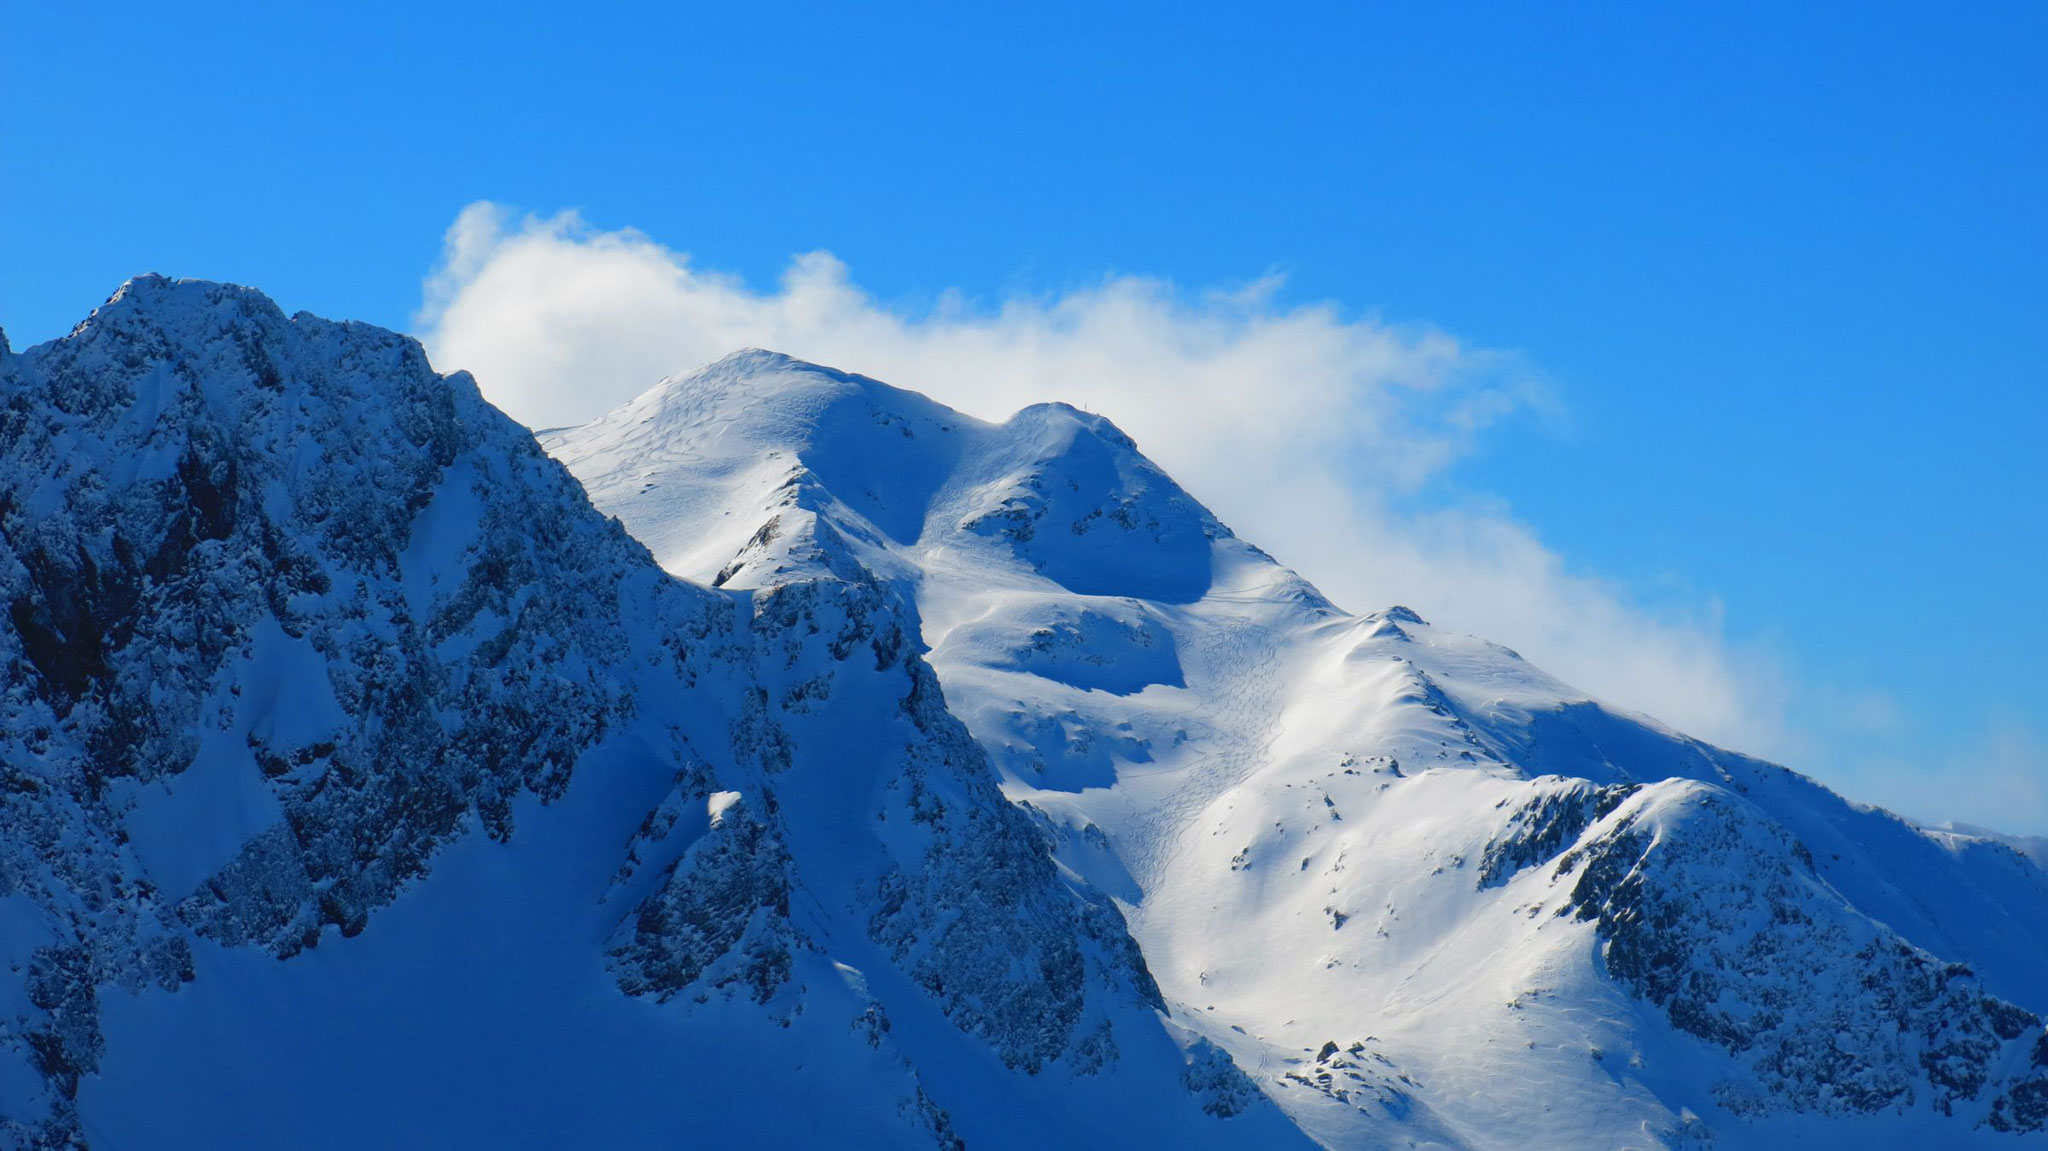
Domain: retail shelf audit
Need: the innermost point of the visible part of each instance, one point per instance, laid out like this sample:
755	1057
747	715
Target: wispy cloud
1314	433
1995	776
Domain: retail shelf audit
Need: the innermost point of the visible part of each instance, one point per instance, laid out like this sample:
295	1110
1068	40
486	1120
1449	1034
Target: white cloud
1308	431
1994	775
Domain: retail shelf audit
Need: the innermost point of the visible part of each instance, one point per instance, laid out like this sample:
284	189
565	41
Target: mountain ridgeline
784	758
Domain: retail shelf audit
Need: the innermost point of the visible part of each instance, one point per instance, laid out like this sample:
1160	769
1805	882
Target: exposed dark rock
1707	911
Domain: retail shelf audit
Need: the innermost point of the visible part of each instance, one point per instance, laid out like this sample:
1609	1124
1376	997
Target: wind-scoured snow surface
1418	892
361	784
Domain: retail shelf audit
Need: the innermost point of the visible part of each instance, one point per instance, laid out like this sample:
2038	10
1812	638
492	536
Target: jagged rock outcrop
1715	914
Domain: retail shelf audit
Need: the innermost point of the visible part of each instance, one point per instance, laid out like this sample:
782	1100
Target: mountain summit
879	777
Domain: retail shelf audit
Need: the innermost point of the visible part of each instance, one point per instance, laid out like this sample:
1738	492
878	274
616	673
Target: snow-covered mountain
1420	892
313	656
366	785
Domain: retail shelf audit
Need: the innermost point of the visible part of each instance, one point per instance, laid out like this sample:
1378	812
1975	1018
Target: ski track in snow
1242	662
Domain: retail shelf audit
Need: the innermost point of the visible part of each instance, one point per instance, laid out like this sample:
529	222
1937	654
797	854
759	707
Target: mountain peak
1057	413
153	298
757	358
761	388
161	356
1064	493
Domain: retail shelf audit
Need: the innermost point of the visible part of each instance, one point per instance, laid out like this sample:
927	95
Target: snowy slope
2034	847
1420	892
364	786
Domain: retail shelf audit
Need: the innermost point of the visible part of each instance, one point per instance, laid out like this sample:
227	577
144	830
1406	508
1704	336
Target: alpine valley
785	759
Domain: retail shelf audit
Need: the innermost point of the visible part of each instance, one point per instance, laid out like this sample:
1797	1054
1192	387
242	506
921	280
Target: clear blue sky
1785	268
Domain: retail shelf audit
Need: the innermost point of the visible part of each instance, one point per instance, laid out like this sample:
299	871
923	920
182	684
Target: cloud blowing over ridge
1313	434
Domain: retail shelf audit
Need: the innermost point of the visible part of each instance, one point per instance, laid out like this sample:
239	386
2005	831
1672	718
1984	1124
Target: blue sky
1780	269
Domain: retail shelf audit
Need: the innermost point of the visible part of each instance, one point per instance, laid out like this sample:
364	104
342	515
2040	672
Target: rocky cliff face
274	576
1713	912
